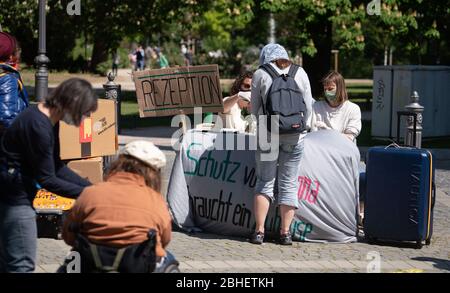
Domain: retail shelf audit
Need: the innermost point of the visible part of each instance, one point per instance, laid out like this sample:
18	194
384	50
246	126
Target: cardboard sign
95	137
171	91
46	200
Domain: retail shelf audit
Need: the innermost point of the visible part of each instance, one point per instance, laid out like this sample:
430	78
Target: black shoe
257	238
286	239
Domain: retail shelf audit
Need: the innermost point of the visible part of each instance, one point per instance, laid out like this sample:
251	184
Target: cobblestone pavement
212	253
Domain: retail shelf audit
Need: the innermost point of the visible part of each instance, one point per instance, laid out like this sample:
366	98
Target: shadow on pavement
391	243
441	264
208	236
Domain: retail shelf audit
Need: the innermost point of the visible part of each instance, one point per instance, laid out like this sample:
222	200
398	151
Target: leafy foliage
418	30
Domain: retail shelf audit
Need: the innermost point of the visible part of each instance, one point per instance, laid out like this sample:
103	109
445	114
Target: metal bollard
414	107
113	91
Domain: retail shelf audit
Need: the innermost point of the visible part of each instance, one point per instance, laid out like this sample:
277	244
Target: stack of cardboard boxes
83	149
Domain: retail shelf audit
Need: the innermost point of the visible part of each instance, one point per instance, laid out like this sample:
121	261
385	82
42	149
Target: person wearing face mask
13	95
238	101
30	155
336	111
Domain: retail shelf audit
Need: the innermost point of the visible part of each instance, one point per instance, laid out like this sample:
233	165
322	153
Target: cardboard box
95	137
90	169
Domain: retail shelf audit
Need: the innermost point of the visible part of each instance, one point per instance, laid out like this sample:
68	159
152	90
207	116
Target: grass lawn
130	117
28	77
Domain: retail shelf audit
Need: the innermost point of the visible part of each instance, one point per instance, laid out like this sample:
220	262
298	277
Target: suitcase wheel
419	244
173	268
428	242
371	240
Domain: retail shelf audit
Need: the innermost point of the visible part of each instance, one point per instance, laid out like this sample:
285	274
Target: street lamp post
41	60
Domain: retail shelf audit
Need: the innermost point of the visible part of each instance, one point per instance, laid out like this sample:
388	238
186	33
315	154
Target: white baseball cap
146	152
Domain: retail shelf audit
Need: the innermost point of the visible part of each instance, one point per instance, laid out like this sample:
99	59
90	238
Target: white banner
211	188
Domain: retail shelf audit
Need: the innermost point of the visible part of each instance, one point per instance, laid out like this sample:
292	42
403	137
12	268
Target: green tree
221	26
308	26
104	23
316	26
20	19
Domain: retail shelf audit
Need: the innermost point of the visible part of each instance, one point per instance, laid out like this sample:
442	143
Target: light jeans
284	170
18	238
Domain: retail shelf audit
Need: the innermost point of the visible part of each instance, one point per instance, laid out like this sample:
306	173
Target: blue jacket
13	95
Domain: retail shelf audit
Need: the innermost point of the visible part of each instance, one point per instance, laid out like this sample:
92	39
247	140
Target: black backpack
285	99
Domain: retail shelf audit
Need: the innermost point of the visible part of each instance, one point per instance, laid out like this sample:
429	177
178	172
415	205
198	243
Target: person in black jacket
13	96
30	155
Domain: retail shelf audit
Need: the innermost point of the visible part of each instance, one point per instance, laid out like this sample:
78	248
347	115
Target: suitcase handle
433	196
408	114
393	145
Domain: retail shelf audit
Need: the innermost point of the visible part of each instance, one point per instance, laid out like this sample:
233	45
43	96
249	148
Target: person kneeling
120	212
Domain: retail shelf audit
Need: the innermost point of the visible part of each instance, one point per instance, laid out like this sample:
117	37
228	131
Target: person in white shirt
238	100
284	166
336	111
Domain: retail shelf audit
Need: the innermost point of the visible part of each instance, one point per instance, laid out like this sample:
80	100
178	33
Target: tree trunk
316	67
99	54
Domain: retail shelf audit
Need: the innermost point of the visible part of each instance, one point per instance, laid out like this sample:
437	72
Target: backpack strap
270	70
98	262
293	70
273	74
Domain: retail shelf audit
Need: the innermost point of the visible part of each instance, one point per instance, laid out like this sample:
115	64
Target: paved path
213	253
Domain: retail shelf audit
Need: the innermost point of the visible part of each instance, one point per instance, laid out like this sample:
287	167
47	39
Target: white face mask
245	95
68	119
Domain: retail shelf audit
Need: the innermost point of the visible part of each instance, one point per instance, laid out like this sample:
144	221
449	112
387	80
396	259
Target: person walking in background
162	60
186	54
132	59
275	64
30	156
140	58
13	95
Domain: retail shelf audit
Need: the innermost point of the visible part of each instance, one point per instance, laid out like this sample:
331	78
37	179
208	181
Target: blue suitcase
400	195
